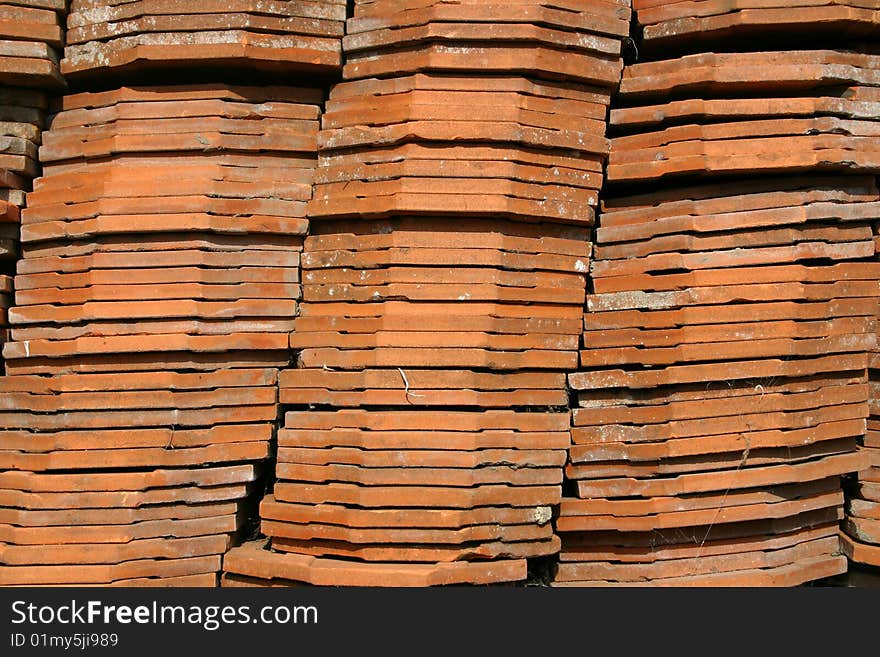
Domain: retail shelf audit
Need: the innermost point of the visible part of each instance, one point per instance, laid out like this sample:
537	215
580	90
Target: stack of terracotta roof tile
689	24
167	226
416	131
31	37
411	477
9	231
507	299
816	110
427	426
861	535
861	529
153	305
129	36
420	144
568	40
723	387
5	302
22	118
131	479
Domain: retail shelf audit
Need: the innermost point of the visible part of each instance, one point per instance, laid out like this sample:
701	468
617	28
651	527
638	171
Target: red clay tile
253	561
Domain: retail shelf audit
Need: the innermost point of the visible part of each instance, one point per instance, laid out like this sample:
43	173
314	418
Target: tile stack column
723	389
158	284
427	424
31	36
278	37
